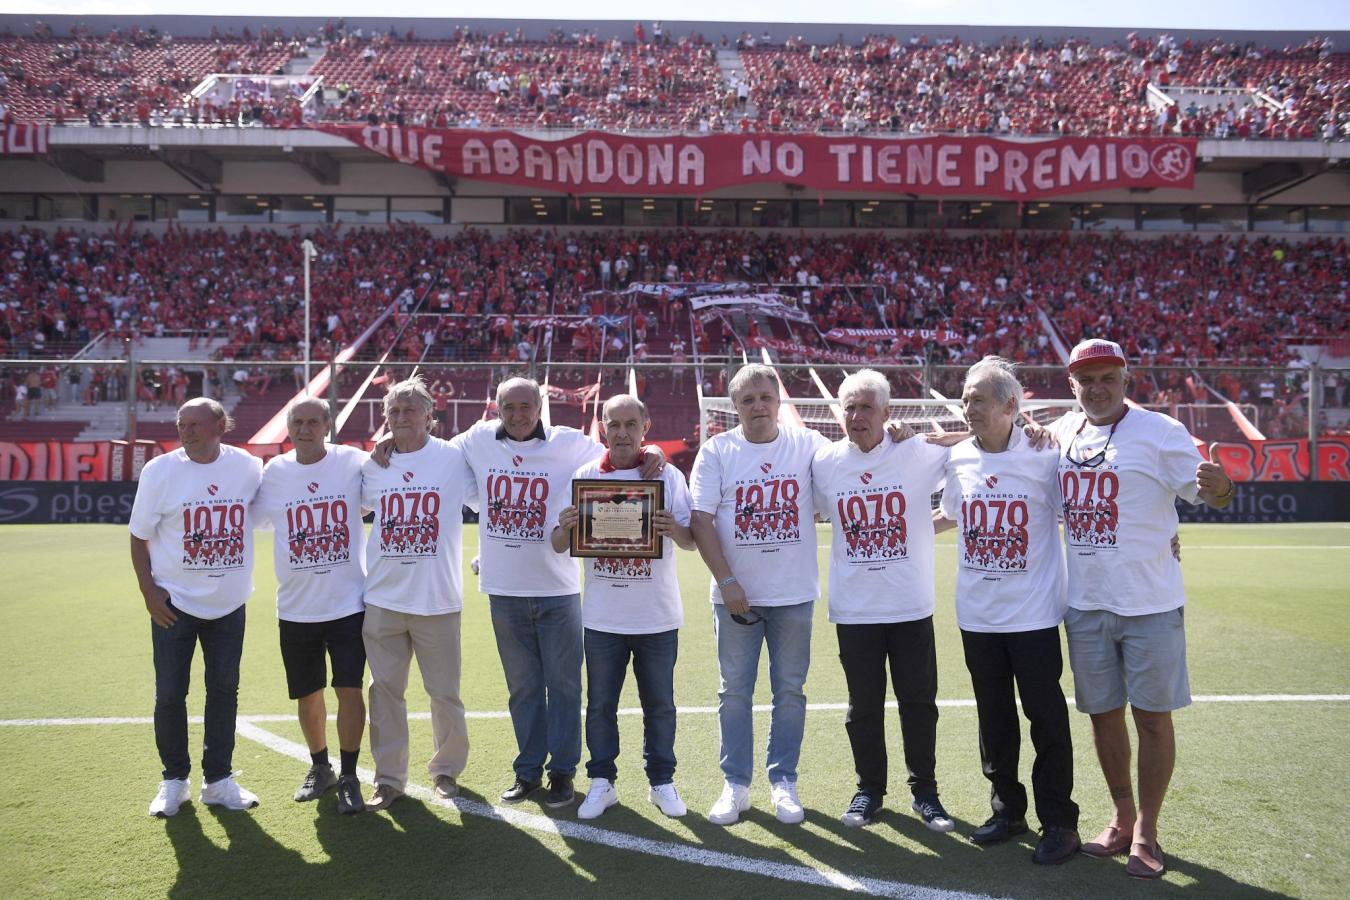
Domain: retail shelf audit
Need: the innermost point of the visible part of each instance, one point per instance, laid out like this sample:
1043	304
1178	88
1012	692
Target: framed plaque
615	518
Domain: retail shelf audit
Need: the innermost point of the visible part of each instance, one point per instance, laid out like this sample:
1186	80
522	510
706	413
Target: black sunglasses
752	618
1099	457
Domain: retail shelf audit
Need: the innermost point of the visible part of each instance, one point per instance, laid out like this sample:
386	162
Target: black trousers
1032	659
864	651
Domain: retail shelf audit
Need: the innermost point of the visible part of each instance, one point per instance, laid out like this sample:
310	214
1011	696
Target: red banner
814	353
1286	460
23	138
54	460
976	166
99	460
856	336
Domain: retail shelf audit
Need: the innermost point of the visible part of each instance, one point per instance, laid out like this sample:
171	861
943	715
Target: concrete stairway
733	72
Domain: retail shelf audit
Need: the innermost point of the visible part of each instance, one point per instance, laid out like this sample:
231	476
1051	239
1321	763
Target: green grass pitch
1256	807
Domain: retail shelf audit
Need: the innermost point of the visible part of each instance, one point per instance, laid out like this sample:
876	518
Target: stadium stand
499	80
1024	86
1171	300
115	239
130	77
1030	87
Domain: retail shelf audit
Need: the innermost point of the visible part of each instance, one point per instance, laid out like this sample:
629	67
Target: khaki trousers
392	638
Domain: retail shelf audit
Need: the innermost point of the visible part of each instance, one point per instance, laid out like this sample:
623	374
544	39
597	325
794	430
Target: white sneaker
786	806
599	797
227	793
172	794
727	810
668	800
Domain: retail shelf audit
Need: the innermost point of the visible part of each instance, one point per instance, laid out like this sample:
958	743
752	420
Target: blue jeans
654	667
787	631
539	641
222	644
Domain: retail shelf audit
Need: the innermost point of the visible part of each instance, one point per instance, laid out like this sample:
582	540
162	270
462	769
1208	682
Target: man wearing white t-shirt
523	473
1121	469
631	608
753	519
877	495
192	550
414	593
311	496
1003	496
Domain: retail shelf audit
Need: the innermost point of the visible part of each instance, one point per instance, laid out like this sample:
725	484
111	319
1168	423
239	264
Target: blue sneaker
934	816
862	811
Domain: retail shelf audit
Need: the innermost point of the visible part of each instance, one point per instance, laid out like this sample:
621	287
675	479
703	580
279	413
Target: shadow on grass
412	850
249	864
409	850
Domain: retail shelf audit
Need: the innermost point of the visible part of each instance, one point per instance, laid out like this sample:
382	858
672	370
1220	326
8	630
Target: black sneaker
998	829
1057	845
349	795
560	791
934	816
519	790
317	781
863	810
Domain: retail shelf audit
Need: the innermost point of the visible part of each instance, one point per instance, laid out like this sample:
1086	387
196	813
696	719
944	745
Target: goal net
717	414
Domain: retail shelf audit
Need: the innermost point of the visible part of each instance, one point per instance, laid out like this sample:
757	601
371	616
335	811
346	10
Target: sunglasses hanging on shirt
1099	457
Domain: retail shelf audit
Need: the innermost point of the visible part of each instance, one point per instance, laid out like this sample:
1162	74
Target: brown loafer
383	798
1137	867
1111	842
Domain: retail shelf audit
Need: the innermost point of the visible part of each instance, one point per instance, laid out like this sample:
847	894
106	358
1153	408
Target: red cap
1095	350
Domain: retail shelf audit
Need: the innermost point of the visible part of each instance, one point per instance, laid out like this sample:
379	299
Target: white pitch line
825	545
637	711
801	874
1240	547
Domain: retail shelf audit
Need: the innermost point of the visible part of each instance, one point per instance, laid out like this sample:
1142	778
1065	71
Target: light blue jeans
539	641
787	631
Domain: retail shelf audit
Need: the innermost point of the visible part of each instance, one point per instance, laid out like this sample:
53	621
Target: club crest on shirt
991	481
212	489
517	460
313	486
765	467
865	478
408	476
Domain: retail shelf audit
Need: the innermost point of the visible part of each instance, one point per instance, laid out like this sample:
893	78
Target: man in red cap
1121	469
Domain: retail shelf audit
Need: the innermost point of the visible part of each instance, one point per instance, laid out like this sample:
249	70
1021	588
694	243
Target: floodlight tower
308	252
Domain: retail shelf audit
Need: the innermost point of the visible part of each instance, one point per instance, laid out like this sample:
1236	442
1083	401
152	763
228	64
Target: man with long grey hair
415	593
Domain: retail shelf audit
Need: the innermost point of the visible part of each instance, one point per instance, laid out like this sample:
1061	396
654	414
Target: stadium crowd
1167	300
1022	86
126	76
658	81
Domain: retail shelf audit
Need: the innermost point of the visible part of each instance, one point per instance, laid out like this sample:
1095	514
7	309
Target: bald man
192	551
631	608
311	497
